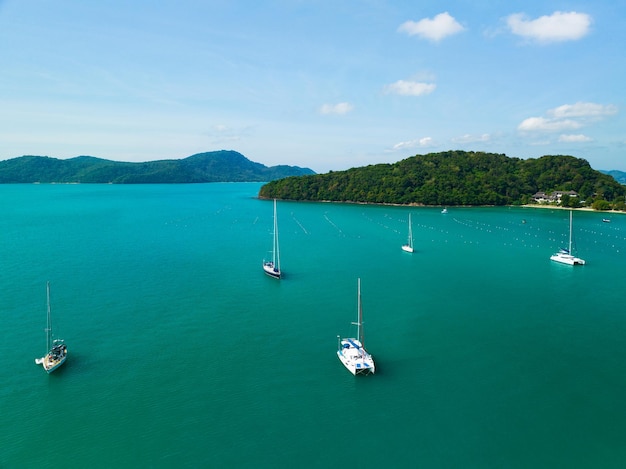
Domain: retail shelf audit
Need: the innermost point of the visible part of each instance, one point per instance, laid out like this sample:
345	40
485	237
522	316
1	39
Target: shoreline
558	207
540	206
580	209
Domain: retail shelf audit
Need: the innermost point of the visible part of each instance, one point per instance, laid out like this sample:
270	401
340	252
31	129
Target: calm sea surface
183	353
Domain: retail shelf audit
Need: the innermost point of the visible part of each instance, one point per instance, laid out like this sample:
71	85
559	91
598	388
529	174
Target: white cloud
467	138
542	124
560	26
417	143
579	109
410	88
568	117
435	29
339	108
574	138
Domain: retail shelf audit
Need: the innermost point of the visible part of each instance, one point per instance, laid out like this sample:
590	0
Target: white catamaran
272	268
351	351
408	247
57	350
564	256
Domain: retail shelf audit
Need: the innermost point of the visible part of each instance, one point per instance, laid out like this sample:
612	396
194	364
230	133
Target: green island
460	178
215	166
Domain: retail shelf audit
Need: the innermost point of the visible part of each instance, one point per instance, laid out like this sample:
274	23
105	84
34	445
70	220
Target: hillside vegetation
217	166
452	178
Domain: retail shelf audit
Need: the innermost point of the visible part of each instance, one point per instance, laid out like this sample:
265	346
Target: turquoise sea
183	353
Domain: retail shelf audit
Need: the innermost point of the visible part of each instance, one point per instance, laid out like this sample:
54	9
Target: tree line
454	178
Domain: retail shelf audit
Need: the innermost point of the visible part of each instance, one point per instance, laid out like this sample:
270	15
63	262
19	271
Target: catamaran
408	247
57	350
272	268
564	256
351	351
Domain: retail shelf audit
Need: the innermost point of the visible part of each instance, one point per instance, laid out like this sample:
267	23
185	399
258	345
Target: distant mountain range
216	166
619	176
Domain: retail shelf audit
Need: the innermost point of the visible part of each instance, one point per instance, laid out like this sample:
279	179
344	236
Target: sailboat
564	256
272	268
351	351
57	350
409	246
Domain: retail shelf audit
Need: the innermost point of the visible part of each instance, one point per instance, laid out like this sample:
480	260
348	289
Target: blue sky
324	84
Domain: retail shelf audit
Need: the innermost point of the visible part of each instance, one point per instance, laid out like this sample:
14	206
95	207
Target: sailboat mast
570	232
360	314
276	255
49	322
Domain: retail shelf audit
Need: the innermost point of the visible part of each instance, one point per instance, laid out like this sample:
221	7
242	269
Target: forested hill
217	166
451	178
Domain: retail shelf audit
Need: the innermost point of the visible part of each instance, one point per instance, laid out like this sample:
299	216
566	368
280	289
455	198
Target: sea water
182	352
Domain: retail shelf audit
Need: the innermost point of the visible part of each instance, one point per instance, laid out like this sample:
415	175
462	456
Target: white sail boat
57	350
272	268
408	247
351	351
564	256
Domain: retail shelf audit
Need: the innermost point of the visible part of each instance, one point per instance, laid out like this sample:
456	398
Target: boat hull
52	362
355	358
407	248
567	259
269	269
